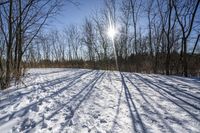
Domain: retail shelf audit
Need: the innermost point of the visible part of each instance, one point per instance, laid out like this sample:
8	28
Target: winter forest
123	44
152	36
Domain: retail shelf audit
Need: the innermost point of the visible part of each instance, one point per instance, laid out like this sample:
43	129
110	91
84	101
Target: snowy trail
174	98
71	105
40	91
136	119
151	112
81	101
175	109
51	93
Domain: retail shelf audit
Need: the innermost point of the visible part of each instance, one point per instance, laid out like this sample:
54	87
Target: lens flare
111	32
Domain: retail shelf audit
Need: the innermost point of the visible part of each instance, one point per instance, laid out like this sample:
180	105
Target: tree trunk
185	64
9	46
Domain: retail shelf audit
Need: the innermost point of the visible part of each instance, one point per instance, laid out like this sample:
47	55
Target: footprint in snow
96	114
44	125
103	121
67	123
27	124
35	108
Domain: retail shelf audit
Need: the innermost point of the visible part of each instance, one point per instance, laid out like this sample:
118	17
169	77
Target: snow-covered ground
81	101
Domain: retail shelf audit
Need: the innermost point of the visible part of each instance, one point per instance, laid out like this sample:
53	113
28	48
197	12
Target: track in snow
80	100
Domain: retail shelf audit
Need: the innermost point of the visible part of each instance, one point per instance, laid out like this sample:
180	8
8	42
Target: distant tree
88	39
135	7
72	36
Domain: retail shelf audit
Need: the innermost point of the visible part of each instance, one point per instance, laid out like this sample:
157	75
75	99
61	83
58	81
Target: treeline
154	36
142	63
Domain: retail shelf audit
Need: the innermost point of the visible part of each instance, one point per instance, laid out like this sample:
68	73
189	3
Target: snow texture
95	101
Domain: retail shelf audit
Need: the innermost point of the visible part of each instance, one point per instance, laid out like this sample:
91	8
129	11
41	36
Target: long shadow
136	120
150	84
42	87
73	104
149	104
179	80
12	98
166	90
190	80
35	75
117	111
179	92
161	80
119	99
78	95
25	109
118	102
52	72
49	81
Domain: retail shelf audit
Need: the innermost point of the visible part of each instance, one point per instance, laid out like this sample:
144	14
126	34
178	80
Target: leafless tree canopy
20	23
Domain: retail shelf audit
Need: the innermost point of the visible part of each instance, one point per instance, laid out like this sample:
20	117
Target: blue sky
72	14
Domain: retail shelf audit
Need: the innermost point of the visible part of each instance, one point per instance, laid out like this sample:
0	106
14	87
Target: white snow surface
97	101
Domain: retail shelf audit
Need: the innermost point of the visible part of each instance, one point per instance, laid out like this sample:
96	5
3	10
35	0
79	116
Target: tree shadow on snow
168	93
150	111
73	103
23	111
118	101
9	91
12	98
137	122
34	75
191	80
180	91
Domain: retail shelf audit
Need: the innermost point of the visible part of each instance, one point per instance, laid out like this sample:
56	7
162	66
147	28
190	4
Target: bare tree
73	41
187	10
195	45
135	6
100	25
4	2
88	39
21	21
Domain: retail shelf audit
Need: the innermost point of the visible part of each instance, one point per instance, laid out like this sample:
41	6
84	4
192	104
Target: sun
111	32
